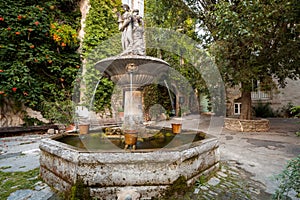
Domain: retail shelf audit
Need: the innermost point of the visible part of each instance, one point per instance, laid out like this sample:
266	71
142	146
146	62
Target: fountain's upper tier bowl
142	65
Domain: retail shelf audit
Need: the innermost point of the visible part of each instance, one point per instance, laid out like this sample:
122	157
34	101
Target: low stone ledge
242	125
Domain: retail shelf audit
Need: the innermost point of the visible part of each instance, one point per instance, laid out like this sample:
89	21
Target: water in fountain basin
159	139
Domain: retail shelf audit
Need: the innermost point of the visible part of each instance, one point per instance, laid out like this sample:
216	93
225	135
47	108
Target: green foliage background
177	17
38	58
102	39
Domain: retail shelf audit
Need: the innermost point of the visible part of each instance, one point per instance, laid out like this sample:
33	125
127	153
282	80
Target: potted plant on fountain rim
83	121
83	127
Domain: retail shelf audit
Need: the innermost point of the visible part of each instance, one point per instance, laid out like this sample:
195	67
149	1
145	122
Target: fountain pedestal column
133	109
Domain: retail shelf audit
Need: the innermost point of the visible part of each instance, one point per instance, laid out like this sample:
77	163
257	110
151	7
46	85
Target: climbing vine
101	26
38	61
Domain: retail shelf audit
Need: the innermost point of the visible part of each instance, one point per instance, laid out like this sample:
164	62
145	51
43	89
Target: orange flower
31	46
56	38
53	26
19	17
2	92
63	44
1	70
18	33
36	23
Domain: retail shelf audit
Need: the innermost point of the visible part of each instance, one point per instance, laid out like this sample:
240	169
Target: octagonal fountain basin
106	169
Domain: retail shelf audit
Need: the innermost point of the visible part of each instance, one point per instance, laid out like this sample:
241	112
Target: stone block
260	125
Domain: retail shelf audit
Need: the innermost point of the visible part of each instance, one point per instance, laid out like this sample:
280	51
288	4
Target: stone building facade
279	98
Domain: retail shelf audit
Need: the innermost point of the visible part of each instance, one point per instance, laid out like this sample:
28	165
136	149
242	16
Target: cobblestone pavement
248	162
231	182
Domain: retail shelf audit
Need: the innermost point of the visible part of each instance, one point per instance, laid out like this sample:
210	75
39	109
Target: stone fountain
131	73
110	172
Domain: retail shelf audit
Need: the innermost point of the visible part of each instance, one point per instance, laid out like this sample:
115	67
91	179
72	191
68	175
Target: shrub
286	110
289	180
295	111
263	110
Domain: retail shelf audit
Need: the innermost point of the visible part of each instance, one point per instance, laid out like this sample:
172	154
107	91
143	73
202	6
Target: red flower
18	33
8	28
14	89
1	70
36	23
19	17
1	19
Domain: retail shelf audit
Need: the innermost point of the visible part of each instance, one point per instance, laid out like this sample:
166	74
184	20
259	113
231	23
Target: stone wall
261	125
280	97
289	94
12	114
232	93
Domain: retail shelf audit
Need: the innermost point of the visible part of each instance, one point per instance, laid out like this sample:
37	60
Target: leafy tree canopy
175	16
252	39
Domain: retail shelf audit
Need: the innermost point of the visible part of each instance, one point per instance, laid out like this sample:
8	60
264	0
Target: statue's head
136	11
125	7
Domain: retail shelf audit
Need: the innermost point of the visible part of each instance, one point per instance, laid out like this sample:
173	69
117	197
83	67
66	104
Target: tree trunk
246	108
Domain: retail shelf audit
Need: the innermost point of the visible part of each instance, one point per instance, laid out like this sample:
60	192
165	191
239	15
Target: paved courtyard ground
249	161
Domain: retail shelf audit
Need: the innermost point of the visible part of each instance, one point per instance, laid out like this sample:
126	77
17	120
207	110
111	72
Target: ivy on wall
38	58
102	39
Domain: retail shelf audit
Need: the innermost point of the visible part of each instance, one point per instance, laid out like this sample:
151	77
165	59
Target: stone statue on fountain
132	26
